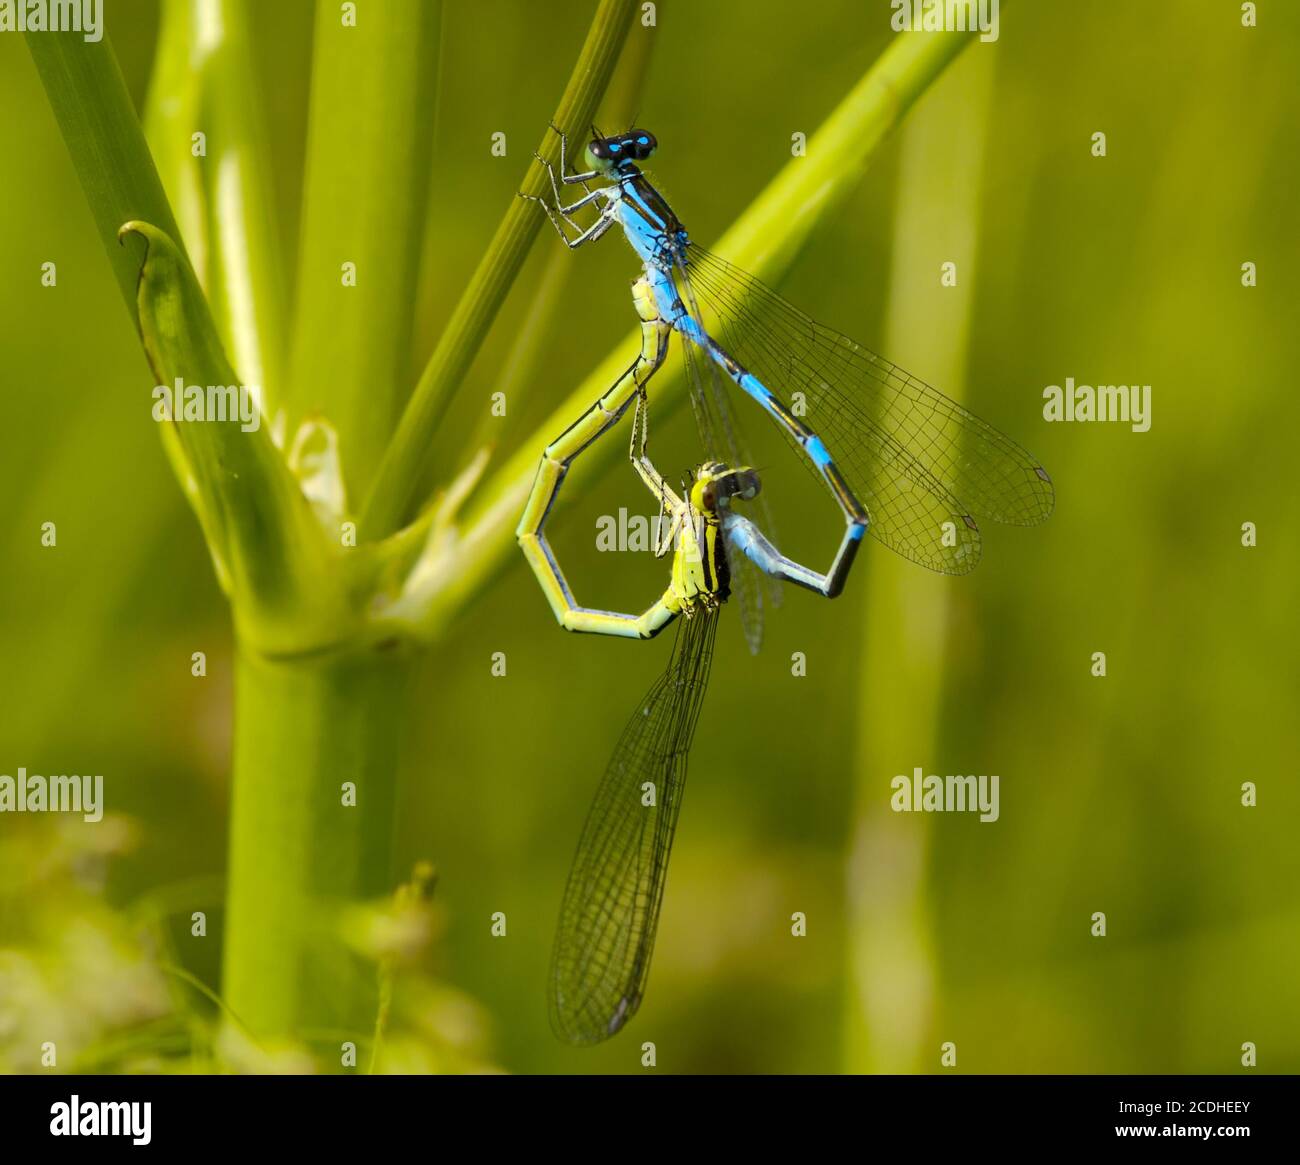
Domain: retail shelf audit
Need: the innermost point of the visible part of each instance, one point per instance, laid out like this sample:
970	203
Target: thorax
700	572
655	232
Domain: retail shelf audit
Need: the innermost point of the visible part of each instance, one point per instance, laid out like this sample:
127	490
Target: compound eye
709	499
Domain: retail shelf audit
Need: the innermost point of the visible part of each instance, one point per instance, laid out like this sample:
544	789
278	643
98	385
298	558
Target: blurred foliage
72	970
1119	794
104	986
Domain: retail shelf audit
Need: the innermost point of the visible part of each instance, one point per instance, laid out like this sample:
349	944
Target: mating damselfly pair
898	458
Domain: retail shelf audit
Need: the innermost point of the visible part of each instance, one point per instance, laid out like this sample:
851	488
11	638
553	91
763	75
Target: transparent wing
724	441
611	903
914	458
720	435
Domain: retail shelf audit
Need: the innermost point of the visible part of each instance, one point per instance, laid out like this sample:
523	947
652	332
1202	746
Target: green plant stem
297	851
106	144
302	729
271	554
405	462
365	202
266	545
764	240
224	198
519	371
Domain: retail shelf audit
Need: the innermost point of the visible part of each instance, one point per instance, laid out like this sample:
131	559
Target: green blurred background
1118	794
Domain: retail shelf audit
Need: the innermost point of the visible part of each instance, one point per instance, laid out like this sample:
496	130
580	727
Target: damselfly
918	471
919	467
610	911
601	417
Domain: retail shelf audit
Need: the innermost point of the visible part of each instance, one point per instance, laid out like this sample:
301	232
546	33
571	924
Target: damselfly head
620	150
717	484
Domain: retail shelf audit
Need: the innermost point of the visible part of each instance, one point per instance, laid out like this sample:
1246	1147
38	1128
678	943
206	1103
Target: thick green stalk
365	202
303	734
303	728
764	240
406	459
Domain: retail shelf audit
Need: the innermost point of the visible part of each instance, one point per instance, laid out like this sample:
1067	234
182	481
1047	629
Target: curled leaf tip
150	234
146	230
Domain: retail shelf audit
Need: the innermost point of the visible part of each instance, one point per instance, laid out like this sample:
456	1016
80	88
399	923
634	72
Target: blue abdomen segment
818	452
755	387
812	446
